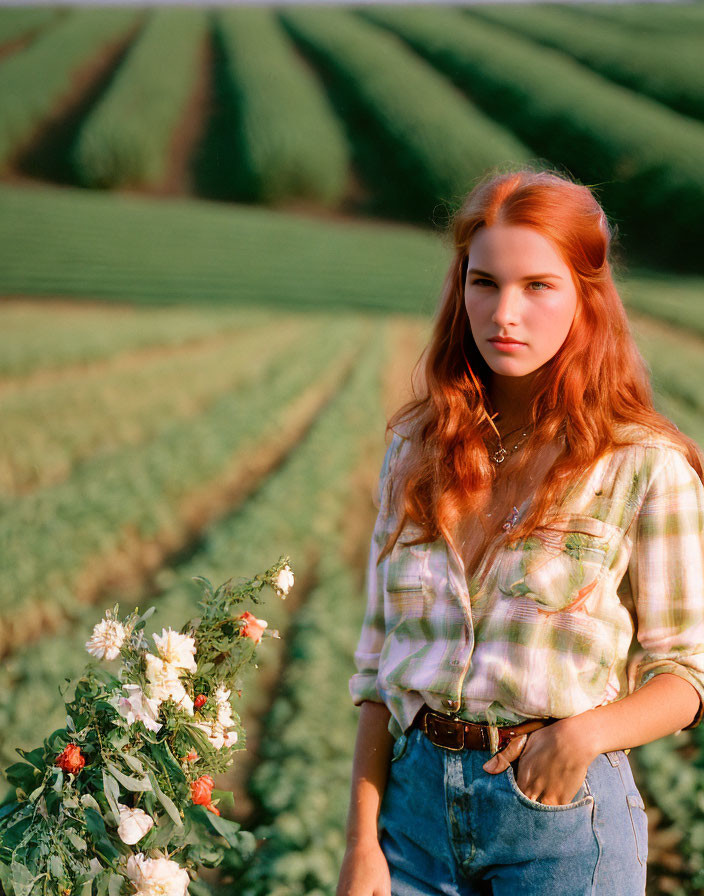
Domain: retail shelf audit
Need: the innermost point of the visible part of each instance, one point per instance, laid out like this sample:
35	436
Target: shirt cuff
363	686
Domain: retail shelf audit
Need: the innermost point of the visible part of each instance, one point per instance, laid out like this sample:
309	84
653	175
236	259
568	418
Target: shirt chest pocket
559	567
407	583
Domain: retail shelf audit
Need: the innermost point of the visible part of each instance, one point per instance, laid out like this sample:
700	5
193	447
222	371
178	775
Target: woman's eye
539	283
479	281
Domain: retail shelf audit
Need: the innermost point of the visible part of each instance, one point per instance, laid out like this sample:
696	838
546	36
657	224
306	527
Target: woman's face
518	287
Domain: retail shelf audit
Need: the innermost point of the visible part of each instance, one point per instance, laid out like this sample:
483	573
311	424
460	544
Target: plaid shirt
557	625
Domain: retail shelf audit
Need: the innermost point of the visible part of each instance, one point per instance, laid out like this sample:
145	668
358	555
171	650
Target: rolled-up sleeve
363	684
666	572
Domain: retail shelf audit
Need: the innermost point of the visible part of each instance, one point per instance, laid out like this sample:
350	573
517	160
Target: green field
208	314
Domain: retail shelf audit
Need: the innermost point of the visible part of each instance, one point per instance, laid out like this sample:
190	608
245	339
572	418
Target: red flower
202	790
191	756
252	627
214	809
200	700
71	760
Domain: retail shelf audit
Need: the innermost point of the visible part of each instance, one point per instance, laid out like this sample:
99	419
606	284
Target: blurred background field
221	246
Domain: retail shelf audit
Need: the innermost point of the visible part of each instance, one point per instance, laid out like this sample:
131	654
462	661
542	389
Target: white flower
134	824
224	708
284	580
157	877
176	649
136	707
107	639
216	733
165	683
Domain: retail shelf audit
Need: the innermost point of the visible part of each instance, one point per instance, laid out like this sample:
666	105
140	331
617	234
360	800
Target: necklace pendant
499	455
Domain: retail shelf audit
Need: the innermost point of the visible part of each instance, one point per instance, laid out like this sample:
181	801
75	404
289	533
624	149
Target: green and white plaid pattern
565	621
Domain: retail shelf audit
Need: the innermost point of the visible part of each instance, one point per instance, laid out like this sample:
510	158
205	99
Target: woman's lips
507	346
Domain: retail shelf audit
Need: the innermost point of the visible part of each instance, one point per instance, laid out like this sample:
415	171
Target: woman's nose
507	310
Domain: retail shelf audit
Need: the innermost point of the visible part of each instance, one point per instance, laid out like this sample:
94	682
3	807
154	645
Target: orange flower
71	760
214	809
252	627
202	790
200	700
191	756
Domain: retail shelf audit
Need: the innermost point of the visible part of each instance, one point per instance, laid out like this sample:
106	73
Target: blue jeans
448	827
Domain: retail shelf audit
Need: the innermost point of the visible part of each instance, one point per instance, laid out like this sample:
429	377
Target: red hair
592	392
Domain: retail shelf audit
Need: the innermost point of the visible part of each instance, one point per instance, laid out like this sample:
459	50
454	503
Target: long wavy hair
594	393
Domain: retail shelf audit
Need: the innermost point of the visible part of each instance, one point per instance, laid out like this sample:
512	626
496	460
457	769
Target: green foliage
126	138
642	157
63	827
204	254
33	81
666	69
140	488
285	141
419	153
18	22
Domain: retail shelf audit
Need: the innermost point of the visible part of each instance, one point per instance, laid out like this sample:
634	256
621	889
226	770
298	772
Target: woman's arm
554	761
364	870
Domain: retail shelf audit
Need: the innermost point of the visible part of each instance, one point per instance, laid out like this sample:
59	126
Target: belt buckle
443	731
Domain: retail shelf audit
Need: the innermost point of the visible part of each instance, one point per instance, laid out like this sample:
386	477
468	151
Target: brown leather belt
456	734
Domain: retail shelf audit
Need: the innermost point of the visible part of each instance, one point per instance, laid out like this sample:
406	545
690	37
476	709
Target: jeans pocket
639	820
399	747
583	797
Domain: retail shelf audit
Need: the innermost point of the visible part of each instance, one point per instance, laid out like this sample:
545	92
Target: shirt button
451	704
455	662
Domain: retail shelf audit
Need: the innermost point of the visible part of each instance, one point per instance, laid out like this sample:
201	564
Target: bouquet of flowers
122	800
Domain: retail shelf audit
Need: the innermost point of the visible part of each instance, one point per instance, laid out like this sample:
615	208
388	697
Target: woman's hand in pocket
364	871
553	763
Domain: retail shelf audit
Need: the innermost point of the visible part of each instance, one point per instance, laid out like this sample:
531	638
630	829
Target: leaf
56	867
22	879
129	783
7	809
21	775
205	585
112	794
226	828
34	757
76	841
115	884
90	802
166	802
133	763
101	842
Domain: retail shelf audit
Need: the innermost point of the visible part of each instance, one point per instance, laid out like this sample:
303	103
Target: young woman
543	611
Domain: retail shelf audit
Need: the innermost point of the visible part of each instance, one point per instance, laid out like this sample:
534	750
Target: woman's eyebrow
531	277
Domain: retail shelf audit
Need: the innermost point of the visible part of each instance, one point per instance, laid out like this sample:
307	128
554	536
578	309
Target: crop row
668	70
284	138
680	18
43	337
643	155
83	243
37	79
291	512
51	540
121	404
435	146
301	785
126	139
17	22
